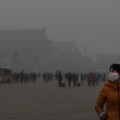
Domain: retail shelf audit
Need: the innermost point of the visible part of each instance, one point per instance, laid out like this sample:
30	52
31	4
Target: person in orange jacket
108	102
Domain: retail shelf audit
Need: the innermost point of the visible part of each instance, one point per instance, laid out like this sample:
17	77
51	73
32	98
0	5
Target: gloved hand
103	116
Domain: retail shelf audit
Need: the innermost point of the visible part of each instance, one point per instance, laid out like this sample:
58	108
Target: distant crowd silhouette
67	79
76	80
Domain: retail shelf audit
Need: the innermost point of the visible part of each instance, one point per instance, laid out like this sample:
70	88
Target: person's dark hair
115	67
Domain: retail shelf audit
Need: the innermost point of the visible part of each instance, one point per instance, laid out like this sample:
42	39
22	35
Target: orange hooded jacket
108	97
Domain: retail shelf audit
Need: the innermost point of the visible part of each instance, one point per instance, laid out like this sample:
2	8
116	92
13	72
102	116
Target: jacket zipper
118	101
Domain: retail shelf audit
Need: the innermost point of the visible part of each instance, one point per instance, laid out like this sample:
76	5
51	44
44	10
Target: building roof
24	35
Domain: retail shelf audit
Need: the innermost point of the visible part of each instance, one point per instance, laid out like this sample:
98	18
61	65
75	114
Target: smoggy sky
93	24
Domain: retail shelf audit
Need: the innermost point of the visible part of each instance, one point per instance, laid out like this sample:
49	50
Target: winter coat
108	100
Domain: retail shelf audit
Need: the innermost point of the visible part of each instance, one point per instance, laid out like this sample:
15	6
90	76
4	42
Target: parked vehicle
5	75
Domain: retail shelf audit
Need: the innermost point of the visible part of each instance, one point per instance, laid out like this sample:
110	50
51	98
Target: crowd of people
70	79
77	79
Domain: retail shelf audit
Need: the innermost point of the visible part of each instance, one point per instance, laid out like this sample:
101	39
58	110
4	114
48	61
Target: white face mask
113	76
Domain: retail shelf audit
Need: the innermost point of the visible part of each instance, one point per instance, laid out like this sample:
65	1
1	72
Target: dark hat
115	67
